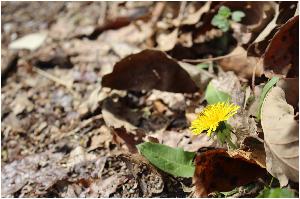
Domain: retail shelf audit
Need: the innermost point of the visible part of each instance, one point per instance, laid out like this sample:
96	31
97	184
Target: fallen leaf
281	137
242	64
104	187
175	161
91	104
41	170
255	146
79	155
117	114
217	171
124	49
264	92
229	83
31	42
130	139
167	41
175	101
51	56
21	103
149	69
249	156
212	95
195	17
284	61
291	90
284	10
276	193
242	125
184	139
149	180
257	16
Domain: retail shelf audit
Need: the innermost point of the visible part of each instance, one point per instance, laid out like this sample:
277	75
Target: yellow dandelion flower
211	116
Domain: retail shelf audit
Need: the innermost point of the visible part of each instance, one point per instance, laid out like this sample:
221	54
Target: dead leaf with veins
281	135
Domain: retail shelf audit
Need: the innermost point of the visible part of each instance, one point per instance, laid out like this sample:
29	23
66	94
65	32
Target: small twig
211	59
56	80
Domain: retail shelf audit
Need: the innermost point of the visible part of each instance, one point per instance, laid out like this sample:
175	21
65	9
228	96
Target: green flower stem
230	143
224	134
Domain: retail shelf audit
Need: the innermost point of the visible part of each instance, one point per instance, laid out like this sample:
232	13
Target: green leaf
202	65
220	22
276	193
224	11
174	161
237	16
213	95
264	92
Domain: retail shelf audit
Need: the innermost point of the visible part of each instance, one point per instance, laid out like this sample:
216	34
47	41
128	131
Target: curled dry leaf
281	137
149	69
284	10
217	171
286	60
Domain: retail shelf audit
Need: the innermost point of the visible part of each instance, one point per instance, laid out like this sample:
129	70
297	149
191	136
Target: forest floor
70	121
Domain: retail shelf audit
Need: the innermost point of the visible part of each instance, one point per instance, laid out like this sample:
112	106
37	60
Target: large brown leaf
217	170
282	54
149	69
281	137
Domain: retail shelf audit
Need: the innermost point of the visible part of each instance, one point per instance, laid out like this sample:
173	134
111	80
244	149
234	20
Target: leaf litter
111	76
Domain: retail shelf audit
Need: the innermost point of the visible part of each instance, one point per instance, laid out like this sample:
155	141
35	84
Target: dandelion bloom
211	116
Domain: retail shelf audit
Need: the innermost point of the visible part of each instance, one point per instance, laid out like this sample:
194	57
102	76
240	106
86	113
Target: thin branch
212	59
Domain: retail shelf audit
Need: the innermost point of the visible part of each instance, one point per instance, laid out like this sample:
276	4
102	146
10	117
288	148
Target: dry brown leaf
147	70
243	126
286	60
291	90
121	136
195	17
259	160
40	170
184	139
217	171
167	41
283	12
175	101
242	64
79	155
281	137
